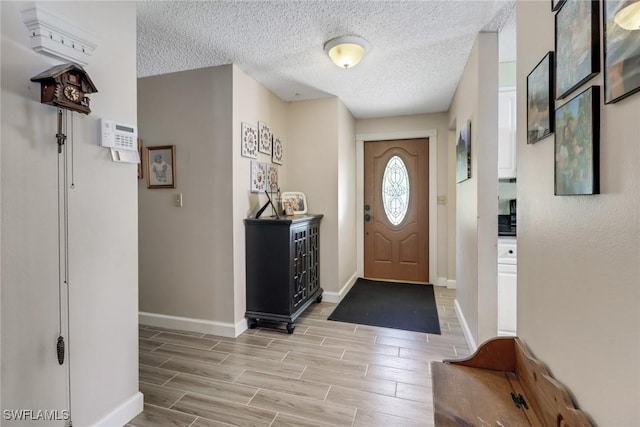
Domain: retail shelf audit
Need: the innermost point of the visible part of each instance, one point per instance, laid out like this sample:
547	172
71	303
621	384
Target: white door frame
432	134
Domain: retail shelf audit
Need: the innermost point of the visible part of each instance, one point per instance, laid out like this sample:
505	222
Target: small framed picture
577	145
540	97
288	209
297	200
161	166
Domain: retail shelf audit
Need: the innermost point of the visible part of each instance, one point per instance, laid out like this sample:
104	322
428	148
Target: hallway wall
102	346
476	99
579	256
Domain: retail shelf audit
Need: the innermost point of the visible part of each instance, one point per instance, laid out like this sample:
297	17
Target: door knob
367	217
367	208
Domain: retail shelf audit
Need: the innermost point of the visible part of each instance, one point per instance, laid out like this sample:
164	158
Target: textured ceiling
418	49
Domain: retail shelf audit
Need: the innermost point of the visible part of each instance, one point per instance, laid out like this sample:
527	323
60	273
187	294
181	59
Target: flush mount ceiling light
628	17
346	51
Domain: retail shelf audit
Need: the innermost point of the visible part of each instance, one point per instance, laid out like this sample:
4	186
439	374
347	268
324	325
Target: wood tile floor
325	374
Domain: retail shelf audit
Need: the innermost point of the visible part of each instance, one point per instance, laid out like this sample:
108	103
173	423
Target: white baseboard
228	330
465	328
123	413
336	297
443	281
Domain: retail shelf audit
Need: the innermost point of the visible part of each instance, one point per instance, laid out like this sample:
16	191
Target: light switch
179	200
442	200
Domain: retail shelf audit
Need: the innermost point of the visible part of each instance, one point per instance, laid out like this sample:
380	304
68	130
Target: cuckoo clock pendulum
65	87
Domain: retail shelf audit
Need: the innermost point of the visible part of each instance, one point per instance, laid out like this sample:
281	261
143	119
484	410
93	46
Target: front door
396	210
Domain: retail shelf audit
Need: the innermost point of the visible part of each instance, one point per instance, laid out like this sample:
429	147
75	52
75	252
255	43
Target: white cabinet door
507	133
507	299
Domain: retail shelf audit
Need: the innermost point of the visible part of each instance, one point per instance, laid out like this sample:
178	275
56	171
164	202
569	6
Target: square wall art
264	138
249	141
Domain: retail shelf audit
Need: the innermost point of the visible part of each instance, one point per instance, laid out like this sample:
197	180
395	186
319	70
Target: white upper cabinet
507	133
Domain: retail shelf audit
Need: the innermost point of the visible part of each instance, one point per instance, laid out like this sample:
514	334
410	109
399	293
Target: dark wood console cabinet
283	268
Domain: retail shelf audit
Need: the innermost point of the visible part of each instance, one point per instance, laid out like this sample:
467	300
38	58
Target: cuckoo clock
66	86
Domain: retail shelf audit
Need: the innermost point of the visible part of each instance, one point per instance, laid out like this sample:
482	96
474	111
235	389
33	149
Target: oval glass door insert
395	190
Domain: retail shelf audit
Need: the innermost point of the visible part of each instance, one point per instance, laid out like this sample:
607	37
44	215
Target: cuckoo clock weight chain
65	87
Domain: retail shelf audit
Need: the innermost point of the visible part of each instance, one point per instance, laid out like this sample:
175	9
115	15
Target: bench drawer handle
518	400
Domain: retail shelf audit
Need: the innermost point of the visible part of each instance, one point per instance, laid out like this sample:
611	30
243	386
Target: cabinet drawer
507	252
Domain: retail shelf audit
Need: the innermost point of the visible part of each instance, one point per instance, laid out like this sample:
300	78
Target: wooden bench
501	384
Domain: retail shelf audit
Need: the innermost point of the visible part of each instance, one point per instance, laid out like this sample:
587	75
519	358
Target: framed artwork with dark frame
161	166
540	100
140	173
463	153
577	56
577	145
556	4
621	56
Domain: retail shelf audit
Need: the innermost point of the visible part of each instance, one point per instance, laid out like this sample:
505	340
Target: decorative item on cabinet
282	268
297	200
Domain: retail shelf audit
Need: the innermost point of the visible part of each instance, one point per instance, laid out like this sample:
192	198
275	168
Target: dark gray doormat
406	306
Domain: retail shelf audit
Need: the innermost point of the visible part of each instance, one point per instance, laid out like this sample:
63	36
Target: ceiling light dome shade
346	51
628	17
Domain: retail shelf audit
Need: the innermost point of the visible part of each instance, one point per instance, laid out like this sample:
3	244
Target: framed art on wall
621	56
161	166
277	151
272	178
264	138
577	54
463	153
540	97
249	141
258	176
577	140
140	173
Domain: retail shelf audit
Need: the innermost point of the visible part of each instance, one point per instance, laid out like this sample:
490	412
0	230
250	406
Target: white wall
102	342
476	99
192	259
346	196
252	102
186	265
579	256
313	150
